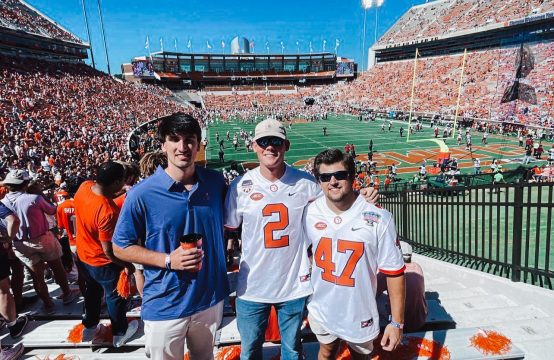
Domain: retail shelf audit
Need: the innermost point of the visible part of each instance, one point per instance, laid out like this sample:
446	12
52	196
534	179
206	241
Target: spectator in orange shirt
97	215
387	182
65	215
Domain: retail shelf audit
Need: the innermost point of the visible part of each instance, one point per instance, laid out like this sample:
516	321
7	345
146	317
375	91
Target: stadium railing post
517	232
404	193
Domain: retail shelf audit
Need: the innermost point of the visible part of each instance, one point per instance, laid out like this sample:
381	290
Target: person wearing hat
35	244
415	310
269	202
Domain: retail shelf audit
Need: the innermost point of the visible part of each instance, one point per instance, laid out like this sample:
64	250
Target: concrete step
496	316
455	306
440	287
529	329
462	293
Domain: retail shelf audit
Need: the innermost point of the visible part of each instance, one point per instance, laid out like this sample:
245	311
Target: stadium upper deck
450	26
199	70
26	31
445	18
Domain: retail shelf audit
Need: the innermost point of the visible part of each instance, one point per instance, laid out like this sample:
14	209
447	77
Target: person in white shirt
352	241
268	202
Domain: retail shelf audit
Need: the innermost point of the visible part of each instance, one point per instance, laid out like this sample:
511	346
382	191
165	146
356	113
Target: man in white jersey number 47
269	202
351	241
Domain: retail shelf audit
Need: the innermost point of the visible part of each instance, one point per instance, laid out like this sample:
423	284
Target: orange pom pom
491	342
125	285
272	331
228	353
76	334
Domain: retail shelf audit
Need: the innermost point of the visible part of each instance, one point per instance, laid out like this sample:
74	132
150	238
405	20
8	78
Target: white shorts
167	339
325	338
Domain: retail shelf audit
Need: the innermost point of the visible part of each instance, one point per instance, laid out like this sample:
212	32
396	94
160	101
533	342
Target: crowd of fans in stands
486	76
67	118
14	14
445	17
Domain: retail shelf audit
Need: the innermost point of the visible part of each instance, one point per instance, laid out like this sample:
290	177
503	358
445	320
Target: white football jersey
274	265
348	251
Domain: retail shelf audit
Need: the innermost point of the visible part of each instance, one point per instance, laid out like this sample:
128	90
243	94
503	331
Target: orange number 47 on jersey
323	258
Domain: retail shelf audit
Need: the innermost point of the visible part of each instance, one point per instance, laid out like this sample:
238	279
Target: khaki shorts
43	248
325	338
167	339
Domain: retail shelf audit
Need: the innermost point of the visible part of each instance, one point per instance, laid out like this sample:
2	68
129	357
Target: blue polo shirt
161	210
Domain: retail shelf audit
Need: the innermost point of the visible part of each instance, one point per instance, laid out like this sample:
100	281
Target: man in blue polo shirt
181	304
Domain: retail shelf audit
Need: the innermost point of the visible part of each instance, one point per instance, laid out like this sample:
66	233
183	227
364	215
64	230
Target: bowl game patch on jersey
371	217
247	186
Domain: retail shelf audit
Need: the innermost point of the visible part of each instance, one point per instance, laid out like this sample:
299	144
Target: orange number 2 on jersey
269	241
324	260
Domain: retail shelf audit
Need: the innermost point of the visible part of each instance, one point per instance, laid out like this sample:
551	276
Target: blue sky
127	24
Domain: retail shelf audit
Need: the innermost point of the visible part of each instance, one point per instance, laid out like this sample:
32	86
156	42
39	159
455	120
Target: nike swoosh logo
356	229
291	194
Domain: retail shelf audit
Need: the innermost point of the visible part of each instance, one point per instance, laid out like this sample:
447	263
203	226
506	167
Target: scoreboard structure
198	70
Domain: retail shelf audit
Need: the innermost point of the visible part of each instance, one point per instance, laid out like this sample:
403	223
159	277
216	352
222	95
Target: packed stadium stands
17	15
449	16
486	75
69	112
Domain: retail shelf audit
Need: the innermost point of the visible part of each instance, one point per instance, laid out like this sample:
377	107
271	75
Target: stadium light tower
104	36
88	33
378	4
366	4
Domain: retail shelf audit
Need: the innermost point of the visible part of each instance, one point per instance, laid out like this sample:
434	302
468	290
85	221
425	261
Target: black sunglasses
273	141
339	175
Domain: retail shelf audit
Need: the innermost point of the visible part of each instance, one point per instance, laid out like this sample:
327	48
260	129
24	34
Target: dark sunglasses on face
339	175
273	141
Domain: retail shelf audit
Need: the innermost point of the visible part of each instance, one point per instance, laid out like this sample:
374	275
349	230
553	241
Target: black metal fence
504	229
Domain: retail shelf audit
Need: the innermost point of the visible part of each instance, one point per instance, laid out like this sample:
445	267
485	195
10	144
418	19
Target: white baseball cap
270	127
16	177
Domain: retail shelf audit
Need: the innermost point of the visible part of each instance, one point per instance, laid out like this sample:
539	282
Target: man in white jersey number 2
351	241
269	202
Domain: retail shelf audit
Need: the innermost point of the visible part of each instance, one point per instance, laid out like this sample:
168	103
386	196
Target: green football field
307	140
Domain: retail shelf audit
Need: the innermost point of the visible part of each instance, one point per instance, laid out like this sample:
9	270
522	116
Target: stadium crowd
67	118
437	84
440	18
15	14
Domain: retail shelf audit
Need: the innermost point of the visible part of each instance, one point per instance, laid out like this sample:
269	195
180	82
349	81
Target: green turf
307	140
486	233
